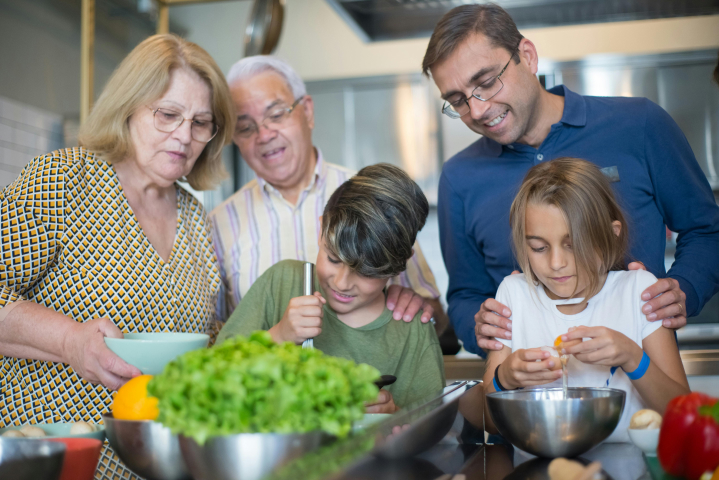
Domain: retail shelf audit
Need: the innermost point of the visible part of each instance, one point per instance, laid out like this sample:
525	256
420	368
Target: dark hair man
486	73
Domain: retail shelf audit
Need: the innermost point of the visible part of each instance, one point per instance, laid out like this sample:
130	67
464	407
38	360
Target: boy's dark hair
455	26
371	221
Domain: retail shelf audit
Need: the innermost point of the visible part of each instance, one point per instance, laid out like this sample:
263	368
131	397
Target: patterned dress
71	242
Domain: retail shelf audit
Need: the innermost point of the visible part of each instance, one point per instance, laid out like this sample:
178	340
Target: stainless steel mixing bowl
30	459
147	448
545	424
246	456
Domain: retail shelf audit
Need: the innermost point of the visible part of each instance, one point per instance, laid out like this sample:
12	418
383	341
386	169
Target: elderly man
486	72
276	216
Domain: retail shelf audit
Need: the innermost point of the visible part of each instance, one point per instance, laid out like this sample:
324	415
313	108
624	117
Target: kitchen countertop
383	452
620	461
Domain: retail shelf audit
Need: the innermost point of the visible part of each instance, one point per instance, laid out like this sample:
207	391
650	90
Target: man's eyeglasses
247	128
168	121
483	92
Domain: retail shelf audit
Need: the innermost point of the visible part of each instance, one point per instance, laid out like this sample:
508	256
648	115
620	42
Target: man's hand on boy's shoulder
302	320
405	304
383	404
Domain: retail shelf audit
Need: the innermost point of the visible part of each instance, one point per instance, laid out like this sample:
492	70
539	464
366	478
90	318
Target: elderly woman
101	239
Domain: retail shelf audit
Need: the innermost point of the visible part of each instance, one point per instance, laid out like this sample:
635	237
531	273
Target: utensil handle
308	289
308	280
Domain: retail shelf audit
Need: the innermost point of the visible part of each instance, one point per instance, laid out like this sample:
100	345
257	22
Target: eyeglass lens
203	130
247	128
482	92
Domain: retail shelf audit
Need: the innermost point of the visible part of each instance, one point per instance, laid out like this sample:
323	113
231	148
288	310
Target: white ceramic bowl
646	440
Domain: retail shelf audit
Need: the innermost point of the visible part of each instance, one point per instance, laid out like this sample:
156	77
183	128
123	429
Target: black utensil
385	380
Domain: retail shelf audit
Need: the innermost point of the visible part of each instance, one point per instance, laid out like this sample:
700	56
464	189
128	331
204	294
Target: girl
570	240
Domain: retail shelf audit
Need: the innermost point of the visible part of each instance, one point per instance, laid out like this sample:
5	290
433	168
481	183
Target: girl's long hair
583	195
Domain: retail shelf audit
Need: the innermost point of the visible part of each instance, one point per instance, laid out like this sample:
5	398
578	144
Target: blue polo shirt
656	180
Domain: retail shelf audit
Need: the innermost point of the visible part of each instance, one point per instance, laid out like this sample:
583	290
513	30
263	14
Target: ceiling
397	19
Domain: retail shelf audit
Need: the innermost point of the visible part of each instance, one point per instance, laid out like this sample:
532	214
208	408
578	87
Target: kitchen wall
25	132
40	50
321	46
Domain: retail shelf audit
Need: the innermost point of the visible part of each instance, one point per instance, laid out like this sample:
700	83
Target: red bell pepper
674	438
703	443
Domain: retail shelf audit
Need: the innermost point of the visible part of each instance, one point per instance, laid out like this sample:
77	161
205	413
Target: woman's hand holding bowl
86	352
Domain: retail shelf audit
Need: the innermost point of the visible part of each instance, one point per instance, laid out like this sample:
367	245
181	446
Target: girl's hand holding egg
554	356
529	367
604	347
563	345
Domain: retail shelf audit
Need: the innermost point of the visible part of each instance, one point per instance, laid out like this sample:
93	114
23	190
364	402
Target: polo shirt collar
574	114
575	107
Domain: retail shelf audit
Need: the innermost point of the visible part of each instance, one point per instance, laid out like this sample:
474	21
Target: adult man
486	72
276	216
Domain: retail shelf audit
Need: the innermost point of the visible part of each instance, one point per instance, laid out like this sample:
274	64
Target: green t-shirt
408	350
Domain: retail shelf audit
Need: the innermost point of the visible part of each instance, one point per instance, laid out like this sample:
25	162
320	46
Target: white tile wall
25	132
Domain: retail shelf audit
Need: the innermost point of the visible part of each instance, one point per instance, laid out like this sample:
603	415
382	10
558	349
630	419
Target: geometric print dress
70	242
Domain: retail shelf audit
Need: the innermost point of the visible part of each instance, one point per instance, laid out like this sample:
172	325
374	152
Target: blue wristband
641	369
496	387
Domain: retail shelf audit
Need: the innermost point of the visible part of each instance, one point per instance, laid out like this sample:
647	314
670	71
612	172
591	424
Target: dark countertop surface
620	461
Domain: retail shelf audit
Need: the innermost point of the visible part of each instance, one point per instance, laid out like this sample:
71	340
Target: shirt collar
320	174
574	114
575	107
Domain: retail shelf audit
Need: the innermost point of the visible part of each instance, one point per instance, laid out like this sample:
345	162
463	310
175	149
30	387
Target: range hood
397	19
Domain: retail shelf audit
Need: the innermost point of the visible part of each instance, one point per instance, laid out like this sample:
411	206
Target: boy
367	231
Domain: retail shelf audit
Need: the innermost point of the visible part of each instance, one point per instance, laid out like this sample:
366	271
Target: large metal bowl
147	448
30	459
246	456
545	424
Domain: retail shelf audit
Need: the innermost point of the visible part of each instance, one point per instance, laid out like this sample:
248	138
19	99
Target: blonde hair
143	77
583	195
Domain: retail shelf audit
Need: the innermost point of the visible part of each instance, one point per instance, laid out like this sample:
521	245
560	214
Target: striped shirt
256	228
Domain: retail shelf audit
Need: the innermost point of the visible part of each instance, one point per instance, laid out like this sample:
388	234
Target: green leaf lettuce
253	385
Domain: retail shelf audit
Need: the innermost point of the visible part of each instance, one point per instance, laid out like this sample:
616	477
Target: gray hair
250	66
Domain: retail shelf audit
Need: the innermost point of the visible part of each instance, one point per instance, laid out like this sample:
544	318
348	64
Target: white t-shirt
536	322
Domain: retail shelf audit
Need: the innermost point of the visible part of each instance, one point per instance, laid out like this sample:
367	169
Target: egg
33	431
645	419
553	352
79	428
13	434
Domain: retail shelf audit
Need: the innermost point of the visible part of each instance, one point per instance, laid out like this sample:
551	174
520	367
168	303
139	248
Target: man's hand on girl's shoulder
665	301
492	321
